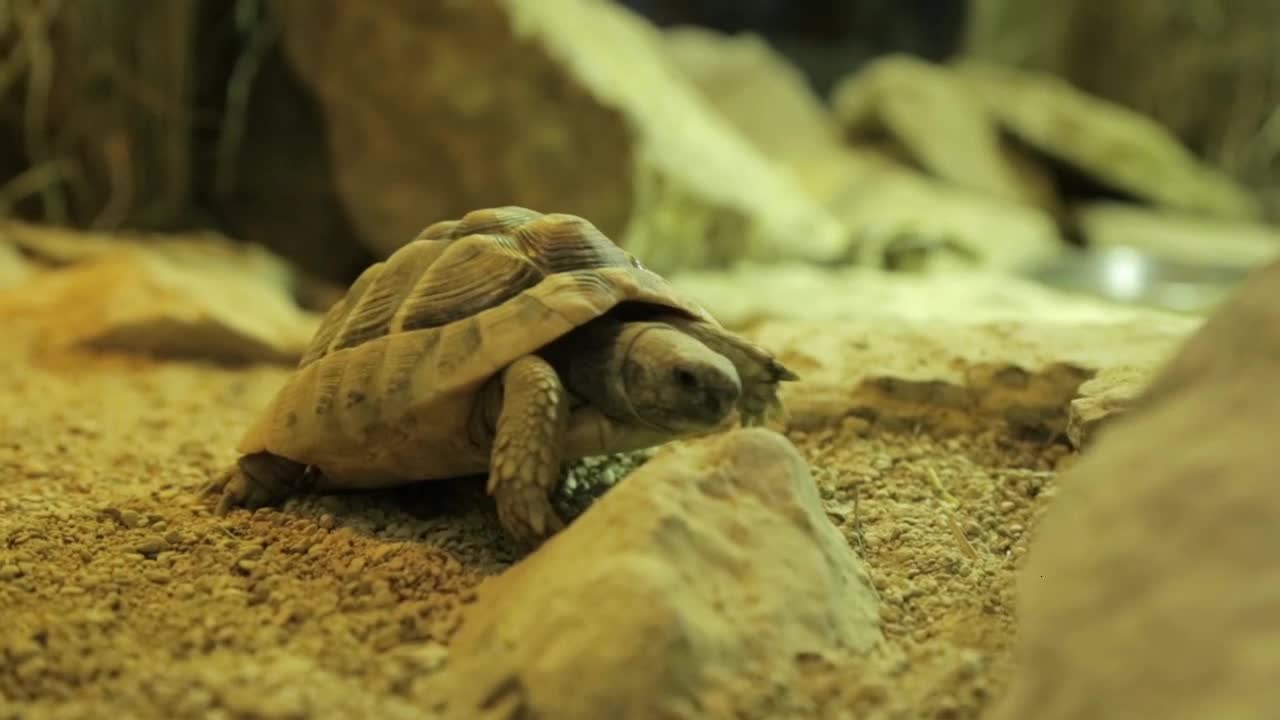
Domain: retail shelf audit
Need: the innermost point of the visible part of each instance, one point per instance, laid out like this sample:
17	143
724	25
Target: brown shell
385	391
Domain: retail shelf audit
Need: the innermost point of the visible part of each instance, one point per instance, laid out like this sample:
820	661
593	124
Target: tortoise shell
385	391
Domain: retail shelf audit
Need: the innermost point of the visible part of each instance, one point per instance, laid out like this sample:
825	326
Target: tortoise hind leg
256	480
525	465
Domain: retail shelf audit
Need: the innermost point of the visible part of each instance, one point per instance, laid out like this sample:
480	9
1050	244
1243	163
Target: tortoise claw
257	480
781	373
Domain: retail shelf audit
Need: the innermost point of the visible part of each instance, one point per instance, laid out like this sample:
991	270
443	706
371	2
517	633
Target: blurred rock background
330	132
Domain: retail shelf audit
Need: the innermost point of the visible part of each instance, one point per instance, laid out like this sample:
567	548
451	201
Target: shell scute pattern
475	273
370	316
417	333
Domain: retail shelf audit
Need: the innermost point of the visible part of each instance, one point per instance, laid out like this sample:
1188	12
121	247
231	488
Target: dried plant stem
33	23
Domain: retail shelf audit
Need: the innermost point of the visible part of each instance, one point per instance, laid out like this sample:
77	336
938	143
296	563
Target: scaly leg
257	480
525	466
758	370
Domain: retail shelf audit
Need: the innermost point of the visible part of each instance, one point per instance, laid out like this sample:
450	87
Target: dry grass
108	110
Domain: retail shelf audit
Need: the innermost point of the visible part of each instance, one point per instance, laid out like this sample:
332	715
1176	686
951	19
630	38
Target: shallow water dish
1128	275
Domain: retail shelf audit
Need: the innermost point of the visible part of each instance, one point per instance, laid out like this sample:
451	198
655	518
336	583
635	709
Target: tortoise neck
589	361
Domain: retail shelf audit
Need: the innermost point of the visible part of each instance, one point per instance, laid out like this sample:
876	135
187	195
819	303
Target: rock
565	105
876	197
53	246
740	74
1150	587
712	564
1121	148
1179	236
804	293
942	124
945	350
137	301
1107	395
13	267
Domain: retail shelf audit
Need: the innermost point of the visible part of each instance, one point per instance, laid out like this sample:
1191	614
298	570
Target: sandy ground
122	595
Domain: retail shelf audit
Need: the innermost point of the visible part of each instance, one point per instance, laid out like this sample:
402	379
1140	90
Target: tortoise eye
685	379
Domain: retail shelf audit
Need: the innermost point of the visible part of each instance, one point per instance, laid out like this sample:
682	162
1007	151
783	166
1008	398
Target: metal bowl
1128	275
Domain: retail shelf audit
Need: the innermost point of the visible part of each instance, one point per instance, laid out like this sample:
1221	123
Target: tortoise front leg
525	465
257	480
759	372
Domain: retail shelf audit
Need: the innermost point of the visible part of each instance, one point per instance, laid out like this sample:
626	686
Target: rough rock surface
876	194
54	247
1152	587
1102	398
900	97
566	105
942	124
637	610
1123	149
141	300
939	348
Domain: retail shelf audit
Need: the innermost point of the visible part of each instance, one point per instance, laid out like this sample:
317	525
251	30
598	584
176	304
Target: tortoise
507	341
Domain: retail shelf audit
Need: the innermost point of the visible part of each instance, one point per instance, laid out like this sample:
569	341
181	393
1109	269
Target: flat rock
564	105
799	130
1151	588
137	301
1122	148
942	124
712	567
945	349
1105	396
54	246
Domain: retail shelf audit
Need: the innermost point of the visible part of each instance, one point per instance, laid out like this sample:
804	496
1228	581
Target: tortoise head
673	381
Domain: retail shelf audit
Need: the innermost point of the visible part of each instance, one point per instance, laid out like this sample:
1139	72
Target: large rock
942	124
1152	587
905	100
280	190
1123	149
713	567
434	109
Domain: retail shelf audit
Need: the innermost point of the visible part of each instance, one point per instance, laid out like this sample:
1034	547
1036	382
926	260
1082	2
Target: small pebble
151	546
34	469
130	518
10	571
